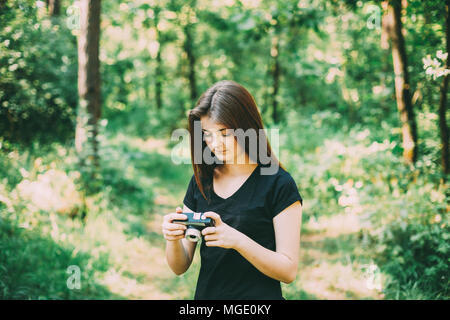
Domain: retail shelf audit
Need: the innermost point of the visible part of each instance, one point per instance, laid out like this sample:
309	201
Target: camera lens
192	234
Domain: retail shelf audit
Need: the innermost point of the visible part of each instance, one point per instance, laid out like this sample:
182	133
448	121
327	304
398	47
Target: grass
34	266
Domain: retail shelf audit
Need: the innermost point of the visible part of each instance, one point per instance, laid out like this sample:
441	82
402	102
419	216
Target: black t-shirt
224	273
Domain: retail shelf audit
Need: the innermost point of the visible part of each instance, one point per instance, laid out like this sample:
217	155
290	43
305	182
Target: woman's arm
180	252
280	264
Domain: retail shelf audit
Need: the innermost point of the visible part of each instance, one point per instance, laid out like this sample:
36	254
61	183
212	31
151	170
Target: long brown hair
230	104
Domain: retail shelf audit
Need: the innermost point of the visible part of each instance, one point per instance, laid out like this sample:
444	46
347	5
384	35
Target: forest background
91	92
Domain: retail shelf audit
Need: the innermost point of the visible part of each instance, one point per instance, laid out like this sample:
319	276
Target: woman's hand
221	235
173	231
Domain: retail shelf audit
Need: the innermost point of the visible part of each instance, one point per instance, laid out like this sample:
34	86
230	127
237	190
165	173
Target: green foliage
416	255
33	266
39	242
125	177
38	67
403	210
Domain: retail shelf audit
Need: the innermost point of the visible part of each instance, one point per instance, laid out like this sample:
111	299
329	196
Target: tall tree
443	100
54	7
275	73
89	109
152	23
393	28
158	71
188	47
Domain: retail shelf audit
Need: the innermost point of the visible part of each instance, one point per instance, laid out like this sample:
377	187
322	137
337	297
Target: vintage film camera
195	224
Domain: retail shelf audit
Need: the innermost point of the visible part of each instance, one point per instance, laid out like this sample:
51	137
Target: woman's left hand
221	235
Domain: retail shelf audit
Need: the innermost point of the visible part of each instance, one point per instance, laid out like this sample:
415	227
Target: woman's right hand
173	231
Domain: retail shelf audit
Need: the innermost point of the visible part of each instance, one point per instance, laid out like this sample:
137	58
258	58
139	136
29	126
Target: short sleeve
189	198
285	193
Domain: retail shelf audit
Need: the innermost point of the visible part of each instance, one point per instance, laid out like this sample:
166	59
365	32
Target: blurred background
91	92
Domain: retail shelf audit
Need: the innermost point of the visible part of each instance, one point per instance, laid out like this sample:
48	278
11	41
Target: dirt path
330	263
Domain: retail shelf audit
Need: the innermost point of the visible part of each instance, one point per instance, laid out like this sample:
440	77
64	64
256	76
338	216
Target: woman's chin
223	158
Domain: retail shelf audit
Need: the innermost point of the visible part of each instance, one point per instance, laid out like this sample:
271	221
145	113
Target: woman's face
221	141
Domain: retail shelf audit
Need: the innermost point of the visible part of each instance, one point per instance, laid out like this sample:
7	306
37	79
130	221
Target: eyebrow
217	130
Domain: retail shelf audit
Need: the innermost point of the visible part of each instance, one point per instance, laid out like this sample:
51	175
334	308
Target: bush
34	266
416	256
38	98
411	243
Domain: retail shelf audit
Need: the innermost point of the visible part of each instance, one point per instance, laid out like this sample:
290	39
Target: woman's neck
236	170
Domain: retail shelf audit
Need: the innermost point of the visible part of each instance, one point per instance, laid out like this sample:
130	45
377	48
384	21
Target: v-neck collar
238	190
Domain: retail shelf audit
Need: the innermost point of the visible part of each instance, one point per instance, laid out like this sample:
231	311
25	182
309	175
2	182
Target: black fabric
224	273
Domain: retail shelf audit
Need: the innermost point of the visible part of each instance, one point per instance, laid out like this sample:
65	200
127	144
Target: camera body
195	224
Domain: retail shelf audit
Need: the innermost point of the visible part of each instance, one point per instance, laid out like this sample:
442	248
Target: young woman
256	238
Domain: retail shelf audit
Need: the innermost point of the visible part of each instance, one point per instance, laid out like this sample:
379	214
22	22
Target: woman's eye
224	134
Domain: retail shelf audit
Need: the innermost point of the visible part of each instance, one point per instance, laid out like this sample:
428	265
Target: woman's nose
216	141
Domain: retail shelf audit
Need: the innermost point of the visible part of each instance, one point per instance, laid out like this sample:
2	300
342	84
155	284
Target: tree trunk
54	7
393	27
275	72
443	101
159	73
385	25
188	49
2	4
89	109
